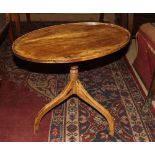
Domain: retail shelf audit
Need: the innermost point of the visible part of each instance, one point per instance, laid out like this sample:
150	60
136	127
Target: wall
109	17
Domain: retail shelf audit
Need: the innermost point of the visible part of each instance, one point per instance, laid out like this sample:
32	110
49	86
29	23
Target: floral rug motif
113	85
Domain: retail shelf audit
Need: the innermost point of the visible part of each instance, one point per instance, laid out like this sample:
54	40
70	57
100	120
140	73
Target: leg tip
35	131
36	128
111	133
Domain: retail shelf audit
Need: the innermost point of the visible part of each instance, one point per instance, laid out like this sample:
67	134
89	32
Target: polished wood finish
9	18
28	17
125	20
101	17
4	26
16	19
12	18
68	43
72	43
130	22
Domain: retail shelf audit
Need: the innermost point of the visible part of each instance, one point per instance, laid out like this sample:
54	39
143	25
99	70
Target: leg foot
60	98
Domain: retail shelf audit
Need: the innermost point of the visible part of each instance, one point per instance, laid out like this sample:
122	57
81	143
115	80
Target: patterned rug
115	88
111	83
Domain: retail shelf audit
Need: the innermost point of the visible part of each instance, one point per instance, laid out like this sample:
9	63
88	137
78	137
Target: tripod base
74	87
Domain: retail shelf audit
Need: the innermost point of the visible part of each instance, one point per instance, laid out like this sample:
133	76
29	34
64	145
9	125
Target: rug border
134	76
152	109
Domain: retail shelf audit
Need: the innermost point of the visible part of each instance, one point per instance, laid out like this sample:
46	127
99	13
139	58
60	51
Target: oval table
71	43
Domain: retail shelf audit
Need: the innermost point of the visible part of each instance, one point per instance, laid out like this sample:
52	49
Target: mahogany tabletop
69	43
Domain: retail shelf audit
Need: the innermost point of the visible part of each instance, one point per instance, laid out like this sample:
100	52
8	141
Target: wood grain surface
74	42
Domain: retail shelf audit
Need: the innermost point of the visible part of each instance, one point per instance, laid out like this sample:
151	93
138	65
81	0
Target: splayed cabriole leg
74	87
60	98
67	92
84	95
